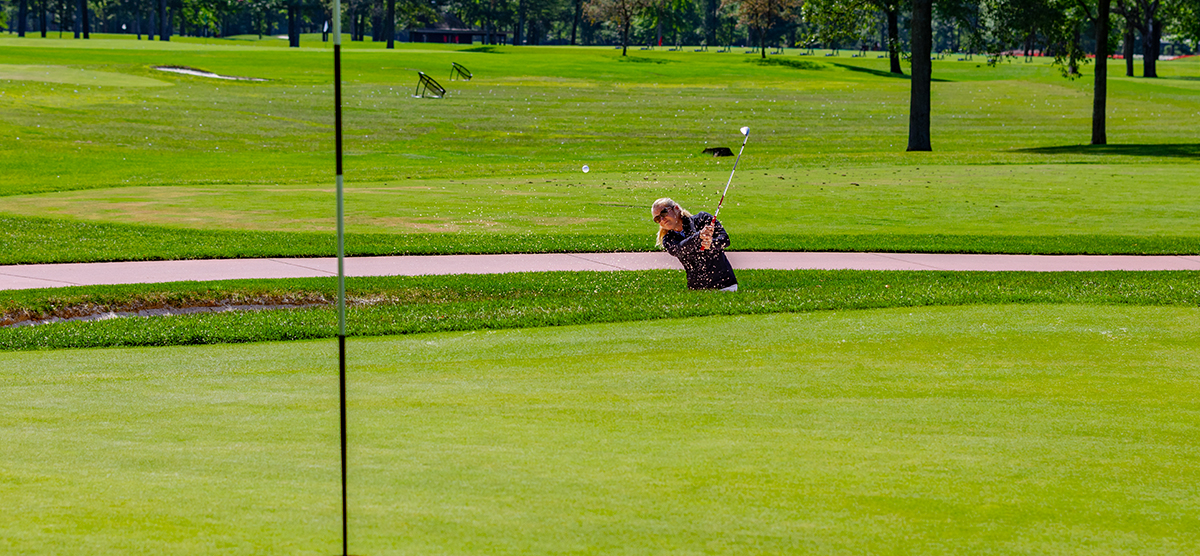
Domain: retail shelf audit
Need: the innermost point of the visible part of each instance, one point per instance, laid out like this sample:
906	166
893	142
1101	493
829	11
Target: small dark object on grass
719	151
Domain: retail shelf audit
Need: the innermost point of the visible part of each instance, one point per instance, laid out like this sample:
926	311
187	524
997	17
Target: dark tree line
1048	27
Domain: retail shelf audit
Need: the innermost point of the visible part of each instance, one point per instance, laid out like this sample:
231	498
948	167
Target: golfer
698	242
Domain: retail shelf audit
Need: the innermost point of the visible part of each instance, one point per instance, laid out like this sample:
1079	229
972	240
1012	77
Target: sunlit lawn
502	154
1001	429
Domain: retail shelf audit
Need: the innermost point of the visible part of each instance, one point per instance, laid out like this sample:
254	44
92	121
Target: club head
745	130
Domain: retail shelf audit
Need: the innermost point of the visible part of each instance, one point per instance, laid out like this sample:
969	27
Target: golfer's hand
706	236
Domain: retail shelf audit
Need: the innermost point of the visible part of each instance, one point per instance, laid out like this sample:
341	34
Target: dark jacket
706	269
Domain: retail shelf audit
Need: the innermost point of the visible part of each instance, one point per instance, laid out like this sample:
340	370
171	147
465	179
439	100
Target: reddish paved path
78	274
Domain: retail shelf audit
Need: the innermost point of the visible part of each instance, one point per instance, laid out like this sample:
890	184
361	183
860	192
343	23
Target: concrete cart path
14	277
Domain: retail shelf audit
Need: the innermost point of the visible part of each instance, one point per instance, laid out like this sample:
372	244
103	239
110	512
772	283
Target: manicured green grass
1095	209
408	305
987	429
500	156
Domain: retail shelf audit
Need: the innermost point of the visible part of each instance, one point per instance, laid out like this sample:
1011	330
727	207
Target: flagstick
341	254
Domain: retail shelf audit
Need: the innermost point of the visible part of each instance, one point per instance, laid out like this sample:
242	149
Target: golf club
745	137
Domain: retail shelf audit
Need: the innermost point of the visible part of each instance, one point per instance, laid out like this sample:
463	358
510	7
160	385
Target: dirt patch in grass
156	304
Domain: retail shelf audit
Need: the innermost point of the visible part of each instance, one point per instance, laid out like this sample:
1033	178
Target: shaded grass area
936	431
1171	150
407	305
42	240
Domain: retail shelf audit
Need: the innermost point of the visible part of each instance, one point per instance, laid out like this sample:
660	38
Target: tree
1151	31
619	13
1143	16
487	14
712	10
1182	18
762	15
1130	15
389	24
1100	86
891	9
842	22
22	15
164	22
577	15
1062	22
921	35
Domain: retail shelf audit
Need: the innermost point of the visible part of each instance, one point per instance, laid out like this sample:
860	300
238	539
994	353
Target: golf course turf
215	169
946	430
813	412
412	305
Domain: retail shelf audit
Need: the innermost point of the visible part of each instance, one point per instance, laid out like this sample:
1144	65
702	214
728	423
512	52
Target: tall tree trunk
520	23
1100	93
377	22
893	30
624	38
762	43
659	26
293	27
1073	65
922	75
87	21
1127	49
389	24
22	15
575	20
710	22
80	7
164	21
1150	47
43	26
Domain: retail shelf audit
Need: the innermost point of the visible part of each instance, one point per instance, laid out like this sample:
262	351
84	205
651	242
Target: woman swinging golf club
698	242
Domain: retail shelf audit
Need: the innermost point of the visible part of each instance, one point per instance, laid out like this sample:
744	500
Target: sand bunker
201	73
159	312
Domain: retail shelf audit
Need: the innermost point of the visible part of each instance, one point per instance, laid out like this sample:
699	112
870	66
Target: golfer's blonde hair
665	202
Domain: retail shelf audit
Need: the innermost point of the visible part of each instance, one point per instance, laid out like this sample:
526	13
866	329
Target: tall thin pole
341	254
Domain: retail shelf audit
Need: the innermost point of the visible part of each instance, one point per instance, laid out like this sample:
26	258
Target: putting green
76	76
987	429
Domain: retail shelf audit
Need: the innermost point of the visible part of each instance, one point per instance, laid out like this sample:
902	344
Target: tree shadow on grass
881	73
1170	150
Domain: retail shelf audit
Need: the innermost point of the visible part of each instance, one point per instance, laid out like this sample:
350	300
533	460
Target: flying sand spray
745	137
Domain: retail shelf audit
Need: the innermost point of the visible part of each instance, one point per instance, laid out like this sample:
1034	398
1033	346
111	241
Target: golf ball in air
586	169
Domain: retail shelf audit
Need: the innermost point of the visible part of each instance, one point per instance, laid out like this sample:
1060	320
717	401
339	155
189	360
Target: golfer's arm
685	246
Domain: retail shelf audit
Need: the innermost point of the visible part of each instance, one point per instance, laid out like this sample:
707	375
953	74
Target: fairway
111	159
1001	429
